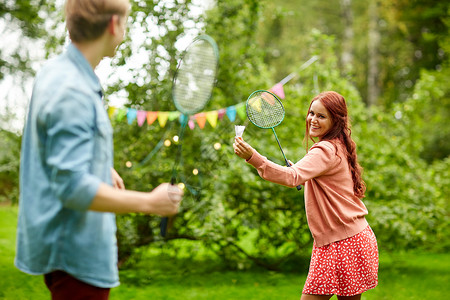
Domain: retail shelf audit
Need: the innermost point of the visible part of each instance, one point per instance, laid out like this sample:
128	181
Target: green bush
407	193
9	166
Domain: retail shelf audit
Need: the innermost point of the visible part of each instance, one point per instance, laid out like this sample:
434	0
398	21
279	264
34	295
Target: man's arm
164	200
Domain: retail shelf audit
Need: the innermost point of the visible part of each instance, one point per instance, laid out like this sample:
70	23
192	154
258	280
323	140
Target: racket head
264	109
195	75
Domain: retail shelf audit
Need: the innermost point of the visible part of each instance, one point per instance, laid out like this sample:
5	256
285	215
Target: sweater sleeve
319	160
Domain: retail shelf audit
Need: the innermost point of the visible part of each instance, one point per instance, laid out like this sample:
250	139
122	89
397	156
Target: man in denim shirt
69	190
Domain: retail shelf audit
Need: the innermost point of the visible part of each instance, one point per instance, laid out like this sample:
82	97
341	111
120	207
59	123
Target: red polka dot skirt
345	268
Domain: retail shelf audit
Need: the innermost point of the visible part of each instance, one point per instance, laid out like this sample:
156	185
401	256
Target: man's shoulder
60	86
58	77
59	69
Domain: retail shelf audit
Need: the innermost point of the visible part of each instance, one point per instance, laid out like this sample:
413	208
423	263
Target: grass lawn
409	275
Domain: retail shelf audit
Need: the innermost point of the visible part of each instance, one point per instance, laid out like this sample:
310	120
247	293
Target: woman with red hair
344	259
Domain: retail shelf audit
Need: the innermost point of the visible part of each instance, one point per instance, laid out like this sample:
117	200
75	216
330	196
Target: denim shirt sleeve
69	150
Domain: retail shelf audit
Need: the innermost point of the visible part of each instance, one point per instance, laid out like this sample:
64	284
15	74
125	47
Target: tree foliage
26	19
403	143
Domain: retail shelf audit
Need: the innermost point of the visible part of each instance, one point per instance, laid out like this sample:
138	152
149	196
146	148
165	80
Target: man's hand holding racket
166	199
242	148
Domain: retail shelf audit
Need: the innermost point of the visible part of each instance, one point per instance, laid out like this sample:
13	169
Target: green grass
15	284
159	275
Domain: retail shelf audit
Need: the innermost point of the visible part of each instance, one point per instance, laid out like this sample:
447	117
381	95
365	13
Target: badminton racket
191	90
265	110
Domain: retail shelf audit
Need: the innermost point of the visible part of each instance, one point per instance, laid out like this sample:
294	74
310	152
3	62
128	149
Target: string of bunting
212	117
162	117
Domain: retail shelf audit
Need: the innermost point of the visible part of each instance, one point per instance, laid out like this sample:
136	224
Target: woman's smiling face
319	120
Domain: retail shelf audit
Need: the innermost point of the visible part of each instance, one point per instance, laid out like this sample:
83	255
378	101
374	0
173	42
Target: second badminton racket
265	110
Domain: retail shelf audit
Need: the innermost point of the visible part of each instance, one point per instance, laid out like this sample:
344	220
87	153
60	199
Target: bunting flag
201	119
269	98
183	118
111	111
162	118
255	103
121	114
241	111
141	116
151	117
278	90
131	115
174	115
231	113
212	116
191	124
221	112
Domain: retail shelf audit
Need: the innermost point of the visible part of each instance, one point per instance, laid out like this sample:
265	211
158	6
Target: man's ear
113	24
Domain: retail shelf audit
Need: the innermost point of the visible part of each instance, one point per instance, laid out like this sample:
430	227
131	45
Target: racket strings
265	110
195	77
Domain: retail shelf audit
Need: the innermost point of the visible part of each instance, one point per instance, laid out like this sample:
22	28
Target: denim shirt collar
78	58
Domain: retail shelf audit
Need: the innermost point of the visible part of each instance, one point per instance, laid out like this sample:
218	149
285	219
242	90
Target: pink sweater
333	212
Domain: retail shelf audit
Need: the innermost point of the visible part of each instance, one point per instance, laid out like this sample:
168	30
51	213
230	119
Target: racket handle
165	220
163	226
299	187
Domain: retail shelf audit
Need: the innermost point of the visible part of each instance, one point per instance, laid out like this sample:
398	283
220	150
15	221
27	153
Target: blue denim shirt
67	152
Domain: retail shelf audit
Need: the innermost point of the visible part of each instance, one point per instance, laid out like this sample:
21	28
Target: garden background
236	235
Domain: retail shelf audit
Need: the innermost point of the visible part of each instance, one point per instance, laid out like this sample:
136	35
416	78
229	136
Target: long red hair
340	130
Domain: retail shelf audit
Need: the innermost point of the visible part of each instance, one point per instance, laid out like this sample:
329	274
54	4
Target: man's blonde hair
86	20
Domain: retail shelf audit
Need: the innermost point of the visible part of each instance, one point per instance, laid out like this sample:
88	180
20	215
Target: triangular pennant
111	111
240	109
201	119
211	116
269	98
191	124
121	113
151	117
141	115
162	118
231	113
183	119
278	90
221	112
173	115
255	103
131	115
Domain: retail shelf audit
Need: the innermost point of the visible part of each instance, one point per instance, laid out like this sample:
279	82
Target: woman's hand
242	149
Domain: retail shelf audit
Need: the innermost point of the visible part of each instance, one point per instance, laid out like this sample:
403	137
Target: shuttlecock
239	130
